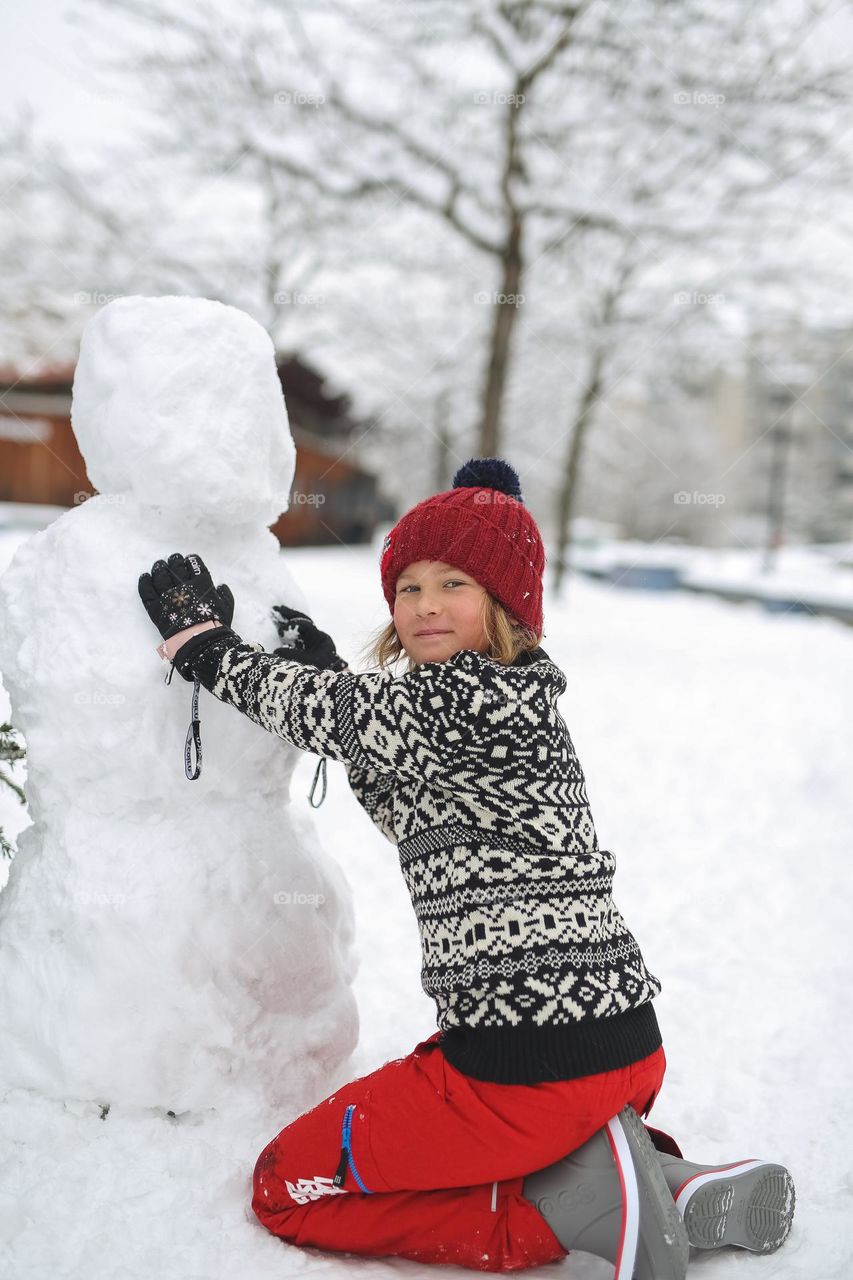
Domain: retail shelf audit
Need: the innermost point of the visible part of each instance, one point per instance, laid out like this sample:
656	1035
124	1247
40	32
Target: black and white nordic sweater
468	768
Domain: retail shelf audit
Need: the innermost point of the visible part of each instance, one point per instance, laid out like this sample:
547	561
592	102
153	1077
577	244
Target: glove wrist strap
193	738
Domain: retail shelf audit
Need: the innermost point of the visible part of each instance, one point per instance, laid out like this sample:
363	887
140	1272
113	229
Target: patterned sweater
468	768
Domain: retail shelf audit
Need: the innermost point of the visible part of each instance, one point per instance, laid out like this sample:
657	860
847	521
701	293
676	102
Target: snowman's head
177	401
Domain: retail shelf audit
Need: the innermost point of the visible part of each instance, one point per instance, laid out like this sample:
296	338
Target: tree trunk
571	473
505	315
441	424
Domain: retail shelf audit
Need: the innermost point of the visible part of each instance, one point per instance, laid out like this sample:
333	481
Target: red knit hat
481	526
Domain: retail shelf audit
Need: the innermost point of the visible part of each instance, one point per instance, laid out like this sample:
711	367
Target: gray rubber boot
749	1204
610	1198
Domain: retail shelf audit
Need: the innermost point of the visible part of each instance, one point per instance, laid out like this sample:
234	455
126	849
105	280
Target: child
511	1134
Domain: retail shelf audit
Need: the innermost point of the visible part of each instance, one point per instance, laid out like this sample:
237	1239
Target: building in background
798	393
754	453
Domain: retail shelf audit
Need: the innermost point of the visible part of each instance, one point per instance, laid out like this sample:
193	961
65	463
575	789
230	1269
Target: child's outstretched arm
415	724
374	791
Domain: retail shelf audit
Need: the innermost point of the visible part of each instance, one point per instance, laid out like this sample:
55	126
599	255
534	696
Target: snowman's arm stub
416	725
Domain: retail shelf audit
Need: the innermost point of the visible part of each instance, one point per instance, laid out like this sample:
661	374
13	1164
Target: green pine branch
10	750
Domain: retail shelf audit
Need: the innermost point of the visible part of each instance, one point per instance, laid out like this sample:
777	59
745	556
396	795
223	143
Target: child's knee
271	1197
281	1190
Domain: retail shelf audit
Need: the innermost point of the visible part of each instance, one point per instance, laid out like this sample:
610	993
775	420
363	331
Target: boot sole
655	1244
749	1205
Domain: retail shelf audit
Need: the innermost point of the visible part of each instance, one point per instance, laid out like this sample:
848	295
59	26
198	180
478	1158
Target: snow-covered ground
716	741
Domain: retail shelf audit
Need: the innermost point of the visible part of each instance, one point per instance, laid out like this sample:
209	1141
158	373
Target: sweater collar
527	656
549	671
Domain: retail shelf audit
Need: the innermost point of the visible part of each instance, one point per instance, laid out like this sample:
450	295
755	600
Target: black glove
179	593
304	642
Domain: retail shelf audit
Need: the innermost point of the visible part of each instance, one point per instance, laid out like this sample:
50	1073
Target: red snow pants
417	1160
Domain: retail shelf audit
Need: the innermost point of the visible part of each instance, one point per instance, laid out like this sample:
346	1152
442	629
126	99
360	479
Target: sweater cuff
198	658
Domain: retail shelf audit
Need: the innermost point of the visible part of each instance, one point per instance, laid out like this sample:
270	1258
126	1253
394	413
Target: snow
716	744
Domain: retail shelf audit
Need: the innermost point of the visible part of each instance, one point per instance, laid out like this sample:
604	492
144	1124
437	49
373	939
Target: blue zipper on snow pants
346	1154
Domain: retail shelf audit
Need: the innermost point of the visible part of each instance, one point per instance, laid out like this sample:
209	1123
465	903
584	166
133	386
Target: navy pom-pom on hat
482	526
488	473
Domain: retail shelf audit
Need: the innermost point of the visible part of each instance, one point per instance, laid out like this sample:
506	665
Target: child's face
433	596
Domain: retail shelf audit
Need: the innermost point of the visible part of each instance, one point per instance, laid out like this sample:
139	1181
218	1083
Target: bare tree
536	140
509	137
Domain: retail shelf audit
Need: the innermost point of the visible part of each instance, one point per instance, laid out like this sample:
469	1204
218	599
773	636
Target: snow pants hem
417	1160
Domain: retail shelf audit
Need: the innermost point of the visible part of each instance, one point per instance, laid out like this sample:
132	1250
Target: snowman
163	943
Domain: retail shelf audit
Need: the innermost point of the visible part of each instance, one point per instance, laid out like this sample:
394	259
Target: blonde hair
505	639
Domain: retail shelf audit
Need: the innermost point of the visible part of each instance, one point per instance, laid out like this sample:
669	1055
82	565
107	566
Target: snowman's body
163	942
